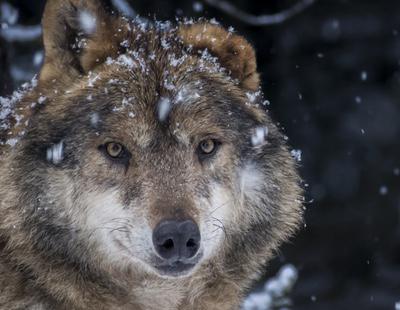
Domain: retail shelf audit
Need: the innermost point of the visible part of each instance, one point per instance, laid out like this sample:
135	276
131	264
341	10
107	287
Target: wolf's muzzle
176	241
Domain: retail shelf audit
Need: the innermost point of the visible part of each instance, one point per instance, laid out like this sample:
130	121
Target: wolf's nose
176	240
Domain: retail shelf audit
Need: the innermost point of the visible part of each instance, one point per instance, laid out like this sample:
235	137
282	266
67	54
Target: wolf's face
151	173
152	151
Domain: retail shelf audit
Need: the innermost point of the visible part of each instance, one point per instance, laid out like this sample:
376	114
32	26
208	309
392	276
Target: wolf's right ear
77	35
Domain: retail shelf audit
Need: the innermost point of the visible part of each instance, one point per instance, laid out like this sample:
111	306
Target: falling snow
124	7
313	298
383	190
55	153
364	75
296	154
94	119
38	58
164	107
259	136
198	6
87	22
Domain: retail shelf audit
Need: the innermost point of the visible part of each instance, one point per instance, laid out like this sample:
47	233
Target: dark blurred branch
10	31
261	20
19	33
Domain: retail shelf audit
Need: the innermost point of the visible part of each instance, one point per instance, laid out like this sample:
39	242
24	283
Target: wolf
141	169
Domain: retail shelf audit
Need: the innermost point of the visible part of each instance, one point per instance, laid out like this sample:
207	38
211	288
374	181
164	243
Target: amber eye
116	152
208	147
114	149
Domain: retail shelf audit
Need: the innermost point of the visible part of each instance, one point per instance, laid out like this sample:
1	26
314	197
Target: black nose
176	240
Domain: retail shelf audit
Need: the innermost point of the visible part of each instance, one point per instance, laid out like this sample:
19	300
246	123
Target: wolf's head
149	150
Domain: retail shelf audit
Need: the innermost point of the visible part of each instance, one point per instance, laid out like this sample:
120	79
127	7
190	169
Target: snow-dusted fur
76	225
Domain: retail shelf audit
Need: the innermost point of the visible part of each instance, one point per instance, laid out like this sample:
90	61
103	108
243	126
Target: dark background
332	75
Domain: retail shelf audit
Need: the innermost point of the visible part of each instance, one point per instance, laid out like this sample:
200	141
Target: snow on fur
296	154
8	109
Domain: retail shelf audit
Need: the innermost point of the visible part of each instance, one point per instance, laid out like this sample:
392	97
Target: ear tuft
233	51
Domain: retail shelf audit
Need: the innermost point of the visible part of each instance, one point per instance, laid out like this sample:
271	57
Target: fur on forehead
80	35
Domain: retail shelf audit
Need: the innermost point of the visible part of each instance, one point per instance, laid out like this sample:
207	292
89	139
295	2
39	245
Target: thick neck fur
25	291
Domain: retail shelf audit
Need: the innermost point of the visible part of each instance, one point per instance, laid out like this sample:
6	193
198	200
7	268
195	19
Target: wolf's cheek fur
252	191
120	234
215	219
227	211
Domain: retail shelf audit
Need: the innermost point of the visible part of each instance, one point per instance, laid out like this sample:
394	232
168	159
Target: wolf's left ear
233	51
77	35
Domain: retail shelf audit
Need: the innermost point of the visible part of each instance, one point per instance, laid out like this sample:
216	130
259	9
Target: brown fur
232	50
48	259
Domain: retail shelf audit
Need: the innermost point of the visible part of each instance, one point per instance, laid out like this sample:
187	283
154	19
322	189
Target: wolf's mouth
177	268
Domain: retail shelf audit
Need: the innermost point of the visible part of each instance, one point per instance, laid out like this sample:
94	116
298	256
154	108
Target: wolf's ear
233	51
77	35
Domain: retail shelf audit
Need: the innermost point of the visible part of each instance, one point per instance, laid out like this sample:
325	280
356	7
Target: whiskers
121	225
217	223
